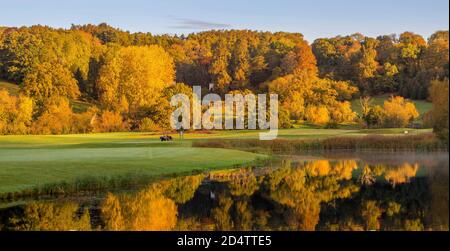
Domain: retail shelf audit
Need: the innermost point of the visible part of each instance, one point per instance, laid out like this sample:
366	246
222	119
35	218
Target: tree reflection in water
350	195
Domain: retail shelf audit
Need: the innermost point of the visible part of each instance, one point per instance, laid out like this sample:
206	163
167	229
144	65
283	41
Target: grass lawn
22	169
115	140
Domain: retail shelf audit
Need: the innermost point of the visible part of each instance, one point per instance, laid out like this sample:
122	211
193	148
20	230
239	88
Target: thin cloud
194	24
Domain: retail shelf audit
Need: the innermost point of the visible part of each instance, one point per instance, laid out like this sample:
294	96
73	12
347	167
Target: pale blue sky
313	18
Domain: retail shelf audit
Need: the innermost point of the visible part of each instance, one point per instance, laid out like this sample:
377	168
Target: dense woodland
129	77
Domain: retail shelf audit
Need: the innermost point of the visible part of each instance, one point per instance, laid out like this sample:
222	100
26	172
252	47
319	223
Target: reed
423	142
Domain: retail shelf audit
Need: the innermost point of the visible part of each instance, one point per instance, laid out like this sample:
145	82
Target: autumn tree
399	112
15	113
240	63
157	116
371	214
317	115
109	121
219	66
300	59
411	46
146	210
366	64
335	57
439	113
436	56
49	216
112	213
56	118
20	50
23	48
342	112
48	81
134	77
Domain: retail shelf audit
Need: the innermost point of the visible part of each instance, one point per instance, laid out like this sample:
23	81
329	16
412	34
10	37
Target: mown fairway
31	161
27	168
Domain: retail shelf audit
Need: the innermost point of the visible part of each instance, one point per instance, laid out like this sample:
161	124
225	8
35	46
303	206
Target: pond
327	192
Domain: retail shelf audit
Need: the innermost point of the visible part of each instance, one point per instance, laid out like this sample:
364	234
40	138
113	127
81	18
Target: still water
332	192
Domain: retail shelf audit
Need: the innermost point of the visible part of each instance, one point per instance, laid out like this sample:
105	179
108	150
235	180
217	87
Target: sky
313	18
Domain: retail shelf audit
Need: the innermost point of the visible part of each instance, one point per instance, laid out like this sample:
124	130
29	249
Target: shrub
109	121
56	119
284	119
148	125
84	122
374	117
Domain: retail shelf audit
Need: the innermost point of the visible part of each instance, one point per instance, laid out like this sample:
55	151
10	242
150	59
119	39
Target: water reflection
349	194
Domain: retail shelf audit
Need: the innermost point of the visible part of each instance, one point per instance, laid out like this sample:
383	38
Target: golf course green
28	162
29	168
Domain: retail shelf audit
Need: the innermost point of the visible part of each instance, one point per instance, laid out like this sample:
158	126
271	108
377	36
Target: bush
284	119
109	121
374	117
57	118
84	122
148	125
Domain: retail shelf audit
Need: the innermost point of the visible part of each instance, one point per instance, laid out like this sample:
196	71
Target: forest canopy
127	77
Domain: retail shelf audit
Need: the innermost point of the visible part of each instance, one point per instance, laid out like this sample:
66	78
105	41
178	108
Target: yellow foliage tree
317	115
44	216
319	168
342	112
398	112
402	174
148	210
371	214
112	213
135	77
109	121
50	80
15	113
56	118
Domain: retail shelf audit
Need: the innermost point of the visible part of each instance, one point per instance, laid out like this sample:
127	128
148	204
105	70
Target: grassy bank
423	142
27	169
